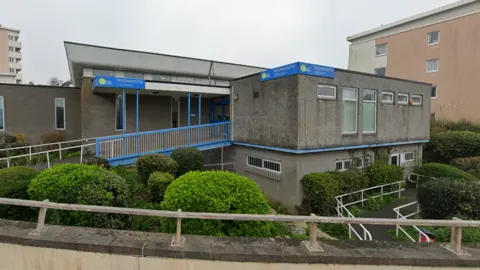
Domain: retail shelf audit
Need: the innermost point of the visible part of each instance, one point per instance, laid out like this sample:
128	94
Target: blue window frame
220	109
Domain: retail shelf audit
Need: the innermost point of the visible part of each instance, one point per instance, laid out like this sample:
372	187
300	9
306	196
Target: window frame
356	110
438	65
436	92
386	49
363	111
401	102
388	93
404	162
352	163
64	114
264	170
417	104
124	124
334	87
2	103
384	74
433	43
11	70
11	59
11	49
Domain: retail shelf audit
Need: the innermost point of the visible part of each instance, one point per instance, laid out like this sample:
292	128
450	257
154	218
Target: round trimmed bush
157	185
380	173
188	159
443	170
14	184
320	190
81	184
99	161
147	164
216	192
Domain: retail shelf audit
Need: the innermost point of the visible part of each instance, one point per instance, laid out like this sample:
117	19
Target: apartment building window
17	60
2	114
402	98
262	166
12	70
369	118
387	97
432	65
417	100
11	59
433	38
347	164
101	72
349	110
434	92
11	49
119	113
59	113
11	38
326	91
381	49
381	71
134	75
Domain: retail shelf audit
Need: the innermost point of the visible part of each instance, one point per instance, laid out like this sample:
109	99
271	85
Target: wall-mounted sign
114	82
297	68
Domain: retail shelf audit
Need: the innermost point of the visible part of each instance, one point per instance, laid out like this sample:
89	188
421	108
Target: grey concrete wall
31	110
320	121
272	118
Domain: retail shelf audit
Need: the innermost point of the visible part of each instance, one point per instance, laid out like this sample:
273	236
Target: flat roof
431	12
9	29
81	55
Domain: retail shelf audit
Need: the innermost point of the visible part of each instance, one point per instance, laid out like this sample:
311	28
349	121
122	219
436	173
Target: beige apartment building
440	46
10	56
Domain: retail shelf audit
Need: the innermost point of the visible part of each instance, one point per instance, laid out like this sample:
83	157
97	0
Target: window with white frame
434	92
369	112
381	49
417	100
263	166
59	113
349	110
343	165
11	59
12	70
347	164
407	159
11	38
2	114
387	97
432	65
381	71
119	113
402	98
326	91
11	49
433	38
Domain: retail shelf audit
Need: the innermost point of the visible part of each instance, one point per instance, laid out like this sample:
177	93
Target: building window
381	71
101	72
262	166
12	70
433	38
347	164
59	113
17	60
369	118
402	98
326	91
11	38
157	77
11	49
11	59
407	159
381	49
2	114
387	97
417	100
119	121
134	75
434	92
432	65
349	110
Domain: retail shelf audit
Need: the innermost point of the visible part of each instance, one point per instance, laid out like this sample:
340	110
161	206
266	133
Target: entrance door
220	109
395	159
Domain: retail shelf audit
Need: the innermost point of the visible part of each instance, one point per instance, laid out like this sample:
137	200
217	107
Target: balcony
17	66
15	54
15	44
19	77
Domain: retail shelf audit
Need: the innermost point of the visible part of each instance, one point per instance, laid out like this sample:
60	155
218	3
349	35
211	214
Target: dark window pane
119	113
380	71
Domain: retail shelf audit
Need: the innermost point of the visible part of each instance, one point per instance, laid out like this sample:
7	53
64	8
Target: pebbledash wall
282	129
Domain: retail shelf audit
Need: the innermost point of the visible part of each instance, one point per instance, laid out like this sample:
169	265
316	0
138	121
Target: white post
81	154
41	220
30	153
60	150
48	159
399	189
362	197
381	192
396	227
111	150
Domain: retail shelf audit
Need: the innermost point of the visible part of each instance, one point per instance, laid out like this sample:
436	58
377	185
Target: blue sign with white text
114	82
297	68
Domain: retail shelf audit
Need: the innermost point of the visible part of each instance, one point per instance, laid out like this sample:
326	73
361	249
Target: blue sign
114	82
297	68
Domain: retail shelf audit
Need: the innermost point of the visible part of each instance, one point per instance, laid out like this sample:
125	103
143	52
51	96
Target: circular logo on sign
102	81
303	68
264	75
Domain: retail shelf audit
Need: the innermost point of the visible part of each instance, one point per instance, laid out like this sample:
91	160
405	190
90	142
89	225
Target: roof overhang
80	56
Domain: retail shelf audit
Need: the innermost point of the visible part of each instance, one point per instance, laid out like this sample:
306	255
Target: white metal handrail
401	216
341	206
456	224
31	147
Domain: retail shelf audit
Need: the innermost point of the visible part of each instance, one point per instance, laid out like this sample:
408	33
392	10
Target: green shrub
99	161
14	184
447	198
157	185
147	164
438	170
81	184
320	190
131	178
188	159
146	223
216	192
446	146
52	137
339	231
351	181
380	173
468	164
462	125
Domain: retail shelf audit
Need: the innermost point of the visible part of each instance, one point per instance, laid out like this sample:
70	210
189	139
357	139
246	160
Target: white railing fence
406	216
179	241
363	195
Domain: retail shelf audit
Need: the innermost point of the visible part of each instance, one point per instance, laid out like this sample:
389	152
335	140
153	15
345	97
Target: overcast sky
255	32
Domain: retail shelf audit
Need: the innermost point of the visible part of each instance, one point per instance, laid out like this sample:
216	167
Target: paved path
380	232
43	165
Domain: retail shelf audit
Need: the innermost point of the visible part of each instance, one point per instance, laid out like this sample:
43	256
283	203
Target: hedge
81	184
438	170
99	161
14	184
380	173
447	198
216	192
446	146
319	191
157	185
147	164
468	164
188	159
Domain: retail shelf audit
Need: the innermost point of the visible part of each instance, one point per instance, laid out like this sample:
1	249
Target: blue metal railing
164	140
